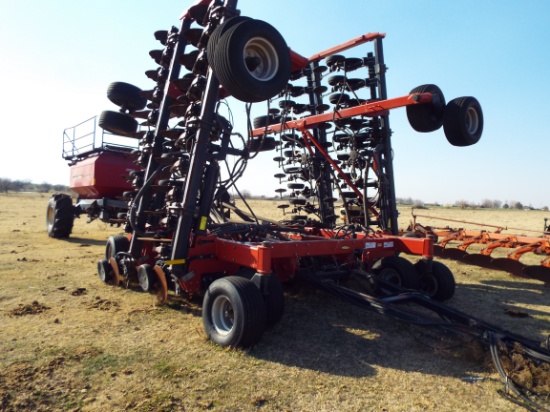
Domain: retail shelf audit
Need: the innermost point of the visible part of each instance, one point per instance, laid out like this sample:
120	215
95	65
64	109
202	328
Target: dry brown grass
70	342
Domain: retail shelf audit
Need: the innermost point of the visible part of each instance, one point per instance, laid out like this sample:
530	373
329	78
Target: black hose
473	328
509	383
133	208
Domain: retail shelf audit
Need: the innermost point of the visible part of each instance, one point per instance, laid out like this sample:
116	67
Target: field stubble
71	343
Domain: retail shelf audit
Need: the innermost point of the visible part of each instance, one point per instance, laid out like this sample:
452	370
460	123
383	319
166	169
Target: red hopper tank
102	175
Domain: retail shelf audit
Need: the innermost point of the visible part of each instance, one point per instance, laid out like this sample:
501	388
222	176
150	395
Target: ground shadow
322	333
83	242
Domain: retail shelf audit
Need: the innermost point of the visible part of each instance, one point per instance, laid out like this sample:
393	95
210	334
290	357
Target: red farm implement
459	244
326	120
102	168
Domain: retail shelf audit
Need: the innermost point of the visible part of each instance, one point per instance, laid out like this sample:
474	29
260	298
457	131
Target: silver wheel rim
50	217
143	279
101	271
472	120
263	50
223	317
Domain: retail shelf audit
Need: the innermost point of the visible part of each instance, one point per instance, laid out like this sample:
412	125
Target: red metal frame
214	255
369	109
347	45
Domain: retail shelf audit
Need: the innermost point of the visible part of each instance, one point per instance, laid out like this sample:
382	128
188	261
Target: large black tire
219	32
118	123
234	312
275	302
463	121
116	244
252	61
439	284
126	95
427	117
397	271
60	216
274	299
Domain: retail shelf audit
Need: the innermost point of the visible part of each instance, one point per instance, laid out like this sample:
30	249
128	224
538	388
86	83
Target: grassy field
70	343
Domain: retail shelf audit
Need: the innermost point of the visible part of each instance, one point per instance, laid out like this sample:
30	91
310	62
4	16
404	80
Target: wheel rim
472	120
101	272
223	317
50	216
428	285
261	59
143	280
391	276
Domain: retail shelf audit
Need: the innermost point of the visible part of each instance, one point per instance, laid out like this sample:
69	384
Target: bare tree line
8	185
465	204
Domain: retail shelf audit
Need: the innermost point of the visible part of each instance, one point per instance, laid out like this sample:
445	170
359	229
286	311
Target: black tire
352	63
397	271
104	270
234	312
118	123
147	277
334	59
126	96
336	80
219	32
338	98
463	121
274	299
439	284
60	216
263	121
427	117
116	244
262	145
296	186
264	48
355	84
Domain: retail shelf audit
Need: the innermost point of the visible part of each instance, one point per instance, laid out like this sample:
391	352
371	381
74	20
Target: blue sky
59	56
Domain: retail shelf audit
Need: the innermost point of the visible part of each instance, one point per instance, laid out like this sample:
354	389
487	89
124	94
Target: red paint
102	175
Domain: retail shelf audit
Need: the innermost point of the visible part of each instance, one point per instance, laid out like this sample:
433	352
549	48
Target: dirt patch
29	309
530	375
104	304
79	292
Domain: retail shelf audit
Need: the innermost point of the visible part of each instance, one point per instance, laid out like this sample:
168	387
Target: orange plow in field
460	244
